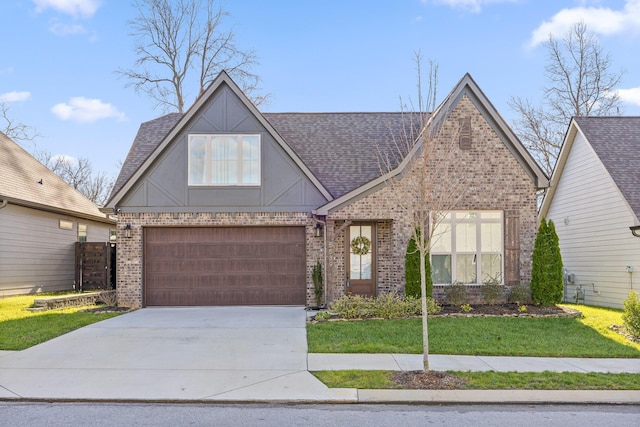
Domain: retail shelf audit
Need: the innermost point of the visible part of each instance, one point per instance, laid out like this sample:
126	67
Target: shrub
631	315
322	315
492	291
412	271
316	277
386	306
520	294
546	271
456	293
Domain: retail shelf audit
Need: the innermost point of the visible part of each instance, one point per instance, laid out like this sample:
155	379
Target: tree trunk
423	288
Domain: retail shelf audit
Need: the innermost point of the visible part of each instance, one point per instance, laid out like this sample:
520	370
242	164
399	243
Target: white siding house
41	219
591	202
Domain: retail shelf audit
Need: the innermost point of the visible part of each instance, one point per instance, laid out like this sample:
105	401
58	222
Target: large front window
467	247
223	160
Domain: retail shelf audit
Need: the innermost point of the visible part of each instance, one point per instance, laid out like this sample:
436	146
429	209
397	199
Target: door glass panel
360	265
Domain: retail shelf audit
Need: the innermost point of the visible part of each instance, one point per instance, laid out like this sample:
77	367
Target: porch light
127	231
634	230
318	230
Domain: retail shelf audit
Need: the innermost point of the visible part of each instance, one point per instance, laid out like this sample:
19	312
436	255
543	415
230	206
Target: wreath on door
360	245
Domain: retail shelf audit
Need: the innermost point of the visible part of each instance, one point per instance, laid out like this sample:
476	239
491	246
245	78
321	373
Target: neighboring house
593	201
41	219
226	205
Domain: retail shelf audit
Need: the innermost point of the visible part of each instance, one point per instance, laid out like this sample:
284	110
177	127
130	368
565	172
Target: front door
361	260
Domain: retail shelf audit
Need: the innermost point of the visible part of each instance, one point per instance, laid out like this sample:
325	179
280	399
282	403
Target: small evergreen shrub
316	277
520	294
456	293
631	315
412	271
546	271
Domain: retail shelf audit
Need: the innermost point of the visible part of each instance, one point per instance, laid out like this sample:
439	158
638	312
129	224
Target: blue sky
59	57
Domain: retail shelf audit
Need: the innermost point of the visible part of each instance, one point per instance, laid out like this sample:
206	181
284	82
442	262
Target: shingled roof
616	141
27	182
341	149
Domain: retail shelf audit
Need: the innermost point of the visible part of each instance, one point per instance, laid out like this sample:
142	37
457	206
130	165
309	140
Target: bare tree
580	83
421	194
16	131
182	43
79	174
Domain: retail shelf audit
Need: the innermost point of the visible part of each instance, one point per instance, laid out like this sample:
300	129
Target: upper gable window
223	160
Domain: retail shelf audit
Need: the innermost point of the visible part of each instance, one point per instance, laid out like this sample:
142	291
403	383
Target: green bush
386	306
316	277
546	271
456	293
492	293
631	315
412	271
520	294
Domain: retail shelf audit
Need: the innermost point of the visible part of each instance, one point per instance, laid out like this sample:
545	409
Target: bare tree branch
79	174
420	194
580	83
182	43
15	131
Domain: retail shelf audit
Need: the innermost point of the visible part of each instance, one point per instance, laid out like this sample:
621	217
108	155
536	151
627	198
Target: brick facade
493	180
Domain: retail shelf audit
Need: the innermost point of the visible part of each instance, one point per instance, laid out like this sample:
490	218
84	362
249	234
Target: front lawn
488	336
490	380
21	328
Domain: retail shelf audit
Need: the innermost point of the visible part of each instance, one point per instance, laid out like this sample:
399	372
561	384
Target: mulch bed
107	309
427	380
508	310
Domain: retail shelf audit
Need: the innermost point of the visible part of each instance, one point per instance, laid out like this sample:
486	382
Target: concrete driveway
199	353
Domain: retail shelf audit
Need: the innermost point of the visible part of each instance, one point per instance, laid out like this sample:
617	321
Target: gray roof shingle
341	149
20	177
616	141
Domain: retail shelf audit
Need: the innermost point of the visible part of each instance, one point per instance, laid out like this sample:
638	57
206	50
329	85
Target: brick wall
483	176
130	250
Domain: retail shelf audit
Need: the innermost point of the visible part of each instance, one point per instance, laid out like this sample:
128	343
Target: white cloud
60	29
75	8
631	95
474	6
85	110
15	96
600	20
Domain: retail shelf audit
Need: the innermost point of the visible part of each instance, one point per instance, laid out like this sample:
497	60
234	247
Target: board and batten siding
592	220
36	255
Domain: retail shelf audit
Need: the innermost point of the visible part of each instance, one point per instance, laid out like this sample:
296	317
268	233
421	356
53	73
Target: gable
163	185
451	115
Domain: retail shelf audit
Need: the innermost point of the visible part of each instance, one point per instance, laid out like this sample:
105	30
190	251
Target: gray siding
36	255
164	187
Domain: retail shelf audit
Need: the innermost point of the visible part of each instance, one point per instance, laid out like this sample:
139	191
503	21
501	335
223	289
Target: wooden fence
95	266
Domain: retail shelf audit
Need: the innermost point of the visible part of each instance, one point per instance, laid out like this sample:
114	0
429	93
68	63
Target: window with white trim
82	233
468	245
224	160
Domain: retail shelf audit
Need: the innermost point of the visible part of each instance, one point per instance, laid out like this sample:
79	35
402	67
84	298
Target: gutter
4	203
635	230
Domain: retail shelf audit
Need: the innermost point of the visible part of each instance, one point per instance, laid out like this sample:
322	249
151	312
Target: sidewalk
439	362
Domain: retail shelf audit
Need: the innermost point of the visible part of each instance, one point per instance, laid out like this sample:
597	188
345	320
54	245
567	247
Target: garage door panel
225	266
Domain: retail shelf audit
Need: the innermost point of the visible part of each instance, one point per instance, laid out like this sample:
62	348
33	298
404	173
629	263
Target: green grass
21	329
488	336
491	380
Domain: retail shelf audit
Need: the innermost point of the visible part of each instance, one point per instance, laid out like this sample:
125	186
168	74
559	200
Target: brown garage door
225	266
